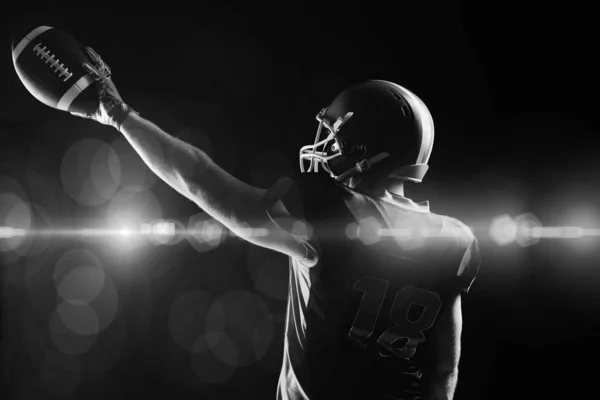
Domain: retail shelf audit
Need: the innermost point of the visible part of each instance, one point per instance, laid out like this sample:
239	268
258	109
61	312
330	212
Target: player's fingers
100	64
93	55
93	71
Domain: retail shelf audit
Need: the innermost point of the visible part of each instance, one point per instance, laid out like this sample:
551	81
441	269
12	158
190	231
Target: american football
50	63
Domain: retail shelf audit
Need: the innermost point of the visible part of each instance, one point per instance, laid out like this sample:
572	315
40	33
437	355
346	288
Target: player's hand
111	111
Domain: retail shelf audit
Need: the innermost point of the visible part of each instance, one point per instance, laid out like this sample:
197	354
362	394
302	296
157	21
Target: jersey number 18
375	290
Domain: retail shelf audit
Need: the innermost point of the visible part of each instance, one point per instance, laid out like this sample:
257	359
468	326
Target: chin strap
361	166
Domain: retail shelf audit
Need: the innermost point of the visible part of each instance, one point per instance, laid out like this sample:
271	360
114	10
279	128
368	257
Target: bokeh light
187	318
224	348
526	223
503	230
221	334
127	212
106	304
215	323
135	175
30	248
302	228
105	171
269	272
65	339
90	172
78	317
164	231
369	230
82	283
249	324
15	214
205	233
352	231
72	260
130	209
9	185
586	216
41	221
179	235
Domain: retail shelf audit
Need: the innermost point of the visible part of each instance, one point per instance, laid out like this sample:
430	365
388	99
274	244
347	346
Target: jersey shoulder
469	247
284	205
299	203
455	227
285	208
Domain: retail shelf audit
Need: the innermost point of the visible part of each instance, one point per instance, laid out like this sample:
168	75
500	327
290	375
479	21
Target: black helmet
370	123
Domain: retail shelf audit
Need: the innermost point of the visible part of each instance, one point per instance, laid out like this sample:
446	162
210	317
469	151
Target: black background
512	88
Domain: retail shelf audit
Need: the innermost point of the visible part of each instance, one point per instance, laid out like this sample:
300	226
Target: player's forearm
442	387
169	158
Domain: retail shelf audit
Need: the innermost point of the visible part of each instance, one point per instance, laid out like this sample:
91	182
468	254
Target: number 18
375	290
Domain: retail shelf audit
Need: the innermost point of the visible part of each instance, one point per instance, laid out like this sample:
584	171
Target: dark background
513	90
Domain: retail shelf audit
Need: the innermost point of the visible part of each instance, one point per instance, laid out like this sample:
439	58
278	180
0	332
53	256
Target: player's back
358	321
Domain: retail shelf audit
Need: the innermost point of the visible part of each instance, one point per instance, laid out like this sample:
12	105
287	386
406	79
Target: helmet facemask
346	160
323	150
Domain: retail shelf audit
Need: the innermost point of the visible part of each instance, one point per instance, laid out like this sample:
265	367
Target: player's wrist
122	115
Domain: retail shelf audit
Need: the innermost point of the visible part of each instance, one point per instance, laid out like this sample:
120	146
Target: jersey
357	322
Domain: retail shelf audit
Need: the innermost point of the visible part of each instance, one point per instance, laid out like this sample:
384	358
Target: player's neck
396	188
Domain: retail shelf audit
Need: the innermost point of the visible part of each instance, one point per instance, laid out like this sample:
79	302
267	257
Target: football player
374	305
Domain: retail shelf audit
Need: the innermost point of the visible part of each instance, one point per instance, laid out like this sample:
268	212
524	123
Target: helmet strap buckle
363	165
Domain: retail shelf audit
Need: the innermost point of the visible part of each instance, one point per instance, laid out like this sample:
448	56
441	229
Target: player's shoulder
467	248
286	191
456	228
285	207
305	196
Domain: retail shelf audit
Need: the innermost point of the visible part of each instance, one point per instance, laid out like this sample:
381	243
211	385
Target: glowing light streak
160	229
563	232
408	233
169	229
396	232
7	232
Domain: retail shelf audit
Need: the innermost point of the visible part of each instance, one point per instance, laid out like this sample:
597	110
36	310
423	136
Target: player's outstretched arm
190	171
237	205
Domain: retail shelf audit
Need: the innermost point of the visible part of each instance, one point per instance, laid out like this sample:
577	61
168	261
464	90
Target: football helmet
369	123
